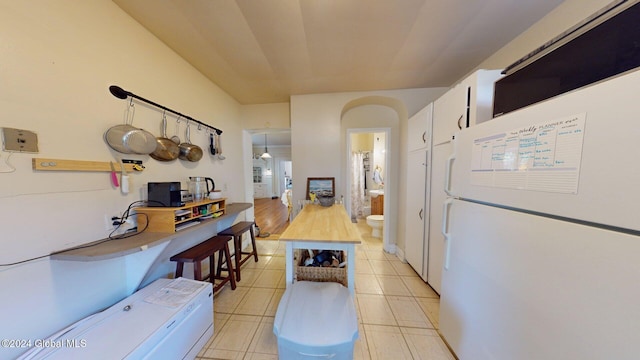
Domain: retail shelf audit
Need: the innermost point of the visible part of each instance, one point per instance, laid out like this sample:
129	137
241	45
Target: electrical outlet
109	221
19	140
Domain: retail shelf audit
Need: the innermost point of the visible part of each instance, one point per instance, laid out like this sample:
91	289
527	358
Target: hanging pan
189	151
128	139
166	149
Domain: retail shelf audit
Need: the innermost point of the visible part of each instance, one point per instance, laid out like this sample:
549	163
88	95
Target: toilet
376	222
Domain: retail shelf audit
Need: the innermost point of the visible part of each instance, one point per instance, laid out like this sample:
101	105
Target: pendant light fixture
266	154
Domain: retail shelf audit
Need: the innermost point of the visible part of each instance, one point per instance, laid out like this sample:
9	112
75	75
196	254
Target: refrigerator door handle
445	231
447	174
420	214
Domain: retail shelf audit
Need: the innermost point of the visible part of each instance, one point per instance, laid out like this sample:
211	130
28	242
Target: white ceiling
263	51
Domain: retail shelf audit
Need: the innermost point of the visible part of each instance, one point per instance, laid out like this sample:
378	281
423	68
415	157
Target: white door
435	251
417	212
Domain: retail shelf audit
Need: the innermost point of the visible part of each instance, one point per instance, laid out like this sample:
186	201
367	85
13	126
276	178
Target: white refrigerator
542	245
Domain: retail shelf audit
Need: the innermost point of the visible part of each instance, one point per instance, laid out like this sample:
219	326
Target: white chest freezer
316	320
168	319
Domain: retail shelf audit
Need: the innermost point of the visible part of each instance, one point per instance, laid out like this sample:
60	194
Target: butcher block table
322	228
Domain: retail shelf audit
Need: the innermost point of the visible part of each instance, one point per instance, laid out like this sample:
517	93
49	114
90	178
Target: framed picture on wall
320	185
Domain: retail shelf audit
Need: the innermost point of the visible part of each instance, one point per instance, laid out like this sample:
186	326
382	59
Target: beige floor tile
418	287
266	247
236	334
386	342
403	269
248	276
374	309
363	267
408	313
223	354
376	255
392	285
280	251
255	302
391	257
258	356
276	263
431	307
219	319
269	278
368	284
382	267
360	253
426	344
273	304
261	264
360	348
265	341
226	300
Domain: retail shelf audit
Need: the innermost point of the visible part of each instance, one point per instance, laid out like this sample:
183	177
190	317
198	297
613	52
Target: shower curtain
357	185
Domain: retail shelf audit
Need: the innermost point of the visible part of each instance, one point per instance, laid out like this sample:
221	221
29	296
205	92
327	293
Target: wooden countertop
107	249
327	224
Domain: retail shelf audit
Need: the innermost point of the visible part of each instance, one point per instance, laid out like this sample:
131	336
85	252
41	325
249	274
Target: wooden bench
208	249
236	231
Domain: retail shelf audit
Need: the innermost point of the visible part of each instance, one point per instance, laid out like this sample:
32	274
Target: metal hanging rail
120	93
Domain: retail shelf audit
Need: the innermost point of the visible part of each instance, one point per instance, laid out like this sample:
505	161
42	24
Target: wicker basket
319	273
322	274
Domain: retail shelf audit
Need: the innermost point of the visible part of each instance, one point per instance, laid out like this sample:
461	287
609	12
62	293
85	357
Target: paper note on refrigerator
542	157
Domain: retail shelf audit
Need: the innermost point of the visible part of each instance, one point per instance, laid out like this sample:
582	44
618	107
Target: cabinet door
435	251
479	88
449	113
419	129
466	104
417	214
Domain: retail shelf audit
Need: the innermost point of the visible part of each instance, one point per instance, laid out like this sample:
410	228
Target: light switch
19	140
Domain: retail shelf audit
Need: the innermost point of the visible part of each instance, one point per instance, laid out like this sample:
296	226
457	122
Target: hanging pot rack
120	93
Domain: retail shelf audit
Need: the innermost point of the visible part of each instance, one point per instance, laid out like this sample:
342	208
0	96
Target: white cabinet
419	129
259	191
417	216
466	104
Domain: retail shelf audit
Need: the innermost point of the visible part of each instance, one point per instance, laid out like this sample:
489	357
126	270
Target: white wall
58	59
566	15
265	116
318	139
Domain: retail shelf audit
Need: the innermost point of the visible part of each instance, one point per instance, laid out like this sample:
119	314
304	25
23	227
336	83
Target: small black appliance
164	194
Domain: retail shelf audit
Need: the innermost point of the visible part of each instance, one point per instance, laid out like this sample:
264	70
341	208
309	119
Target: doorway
270	179
368	152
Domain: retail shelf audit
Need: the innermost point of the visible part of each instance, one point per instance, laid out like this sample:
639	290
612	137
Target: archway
395	114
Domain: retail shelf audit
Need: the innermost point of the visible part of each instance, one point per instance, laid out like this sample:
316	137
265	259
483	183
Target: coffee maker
164	194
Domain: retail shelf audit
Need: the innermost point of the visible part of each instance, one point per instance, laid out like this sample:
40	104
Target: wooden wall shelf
172	219
41	164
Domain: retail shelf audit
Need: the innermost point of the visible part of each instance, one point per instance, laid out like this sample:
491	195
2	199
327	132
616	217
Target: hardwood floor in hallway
271	216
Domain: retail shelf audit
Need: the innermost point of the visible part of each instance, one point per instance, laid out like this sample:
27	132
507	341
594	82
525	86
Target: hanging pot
166	149
128	139
189	151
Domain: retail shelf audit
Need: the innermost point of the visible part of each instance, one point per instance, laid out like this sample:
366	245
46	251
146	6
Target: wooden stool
207	249
236	231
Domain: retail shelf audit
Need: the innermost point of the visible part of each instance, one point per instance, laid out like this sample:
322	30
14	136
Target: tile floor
397	311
